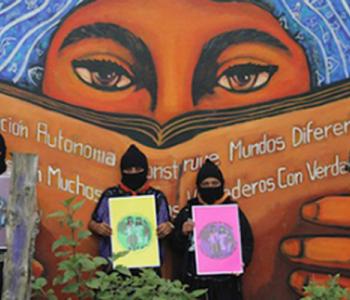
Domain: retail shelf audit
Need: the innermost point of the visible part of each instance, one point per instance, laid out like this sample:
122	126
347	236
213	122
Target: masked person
3	149
3	168
210	185
134	169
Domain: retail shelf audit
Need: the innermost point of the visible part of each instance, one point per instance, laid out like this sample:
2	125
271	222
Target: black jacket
182	243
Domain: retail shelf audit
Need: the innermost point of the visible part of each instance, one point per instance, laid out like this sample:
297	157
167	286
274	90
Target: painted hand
327	251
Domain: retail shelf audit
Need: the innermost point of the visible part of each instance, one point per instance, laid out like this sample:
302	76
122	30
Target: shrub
80	275
331	290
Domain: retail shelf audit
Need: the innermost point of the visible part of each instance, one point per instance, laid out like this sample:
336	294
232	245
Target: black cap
133	157
209	169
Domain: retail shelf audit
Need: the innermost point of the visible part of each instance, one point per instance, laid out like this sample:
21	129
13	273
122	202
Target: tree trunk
22	227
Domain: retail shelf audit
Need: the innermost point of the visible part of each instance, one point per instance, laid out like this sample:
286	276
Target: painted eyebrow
143	69
226	39
104	31
204	79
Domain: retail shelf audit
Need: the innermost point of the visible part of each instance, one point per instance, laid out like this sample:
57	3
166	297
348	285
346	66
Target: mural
259	87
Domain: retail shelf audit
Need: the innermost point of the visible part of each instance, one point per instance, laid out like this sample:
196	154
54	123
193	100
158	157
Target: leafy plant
331	290
80	275
39	290
146	286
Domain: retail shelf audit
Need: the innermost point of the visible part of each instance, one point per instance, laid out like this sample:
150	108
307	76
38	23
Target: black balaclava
133	157
3	166
209	195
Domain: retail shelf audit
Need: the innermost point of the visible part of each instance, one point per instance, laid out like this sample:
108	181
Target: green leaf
83	235
66	265
51	295
68	202
101	274
93	283
87	264
75	224
62	241
71	288
78	205
198	293
57	214
100	261
39	283
63	253
57	280
123	270
118	255
68	275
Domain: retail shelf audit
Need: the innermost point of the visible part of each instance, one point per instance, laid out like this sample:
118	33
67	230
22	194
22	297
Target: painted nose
174	95
172	101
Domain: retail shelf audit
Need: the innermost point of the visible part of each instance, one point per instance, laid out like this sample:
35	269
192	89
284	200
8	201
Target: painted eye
103	75
246	78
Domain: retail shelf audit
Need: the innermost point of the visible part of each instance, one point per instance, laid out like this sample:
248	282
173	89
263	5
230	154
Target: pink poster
217	239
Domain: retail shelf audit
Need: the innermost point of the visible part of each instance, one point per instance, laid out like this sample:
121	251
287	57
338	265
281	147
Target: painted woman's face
164	58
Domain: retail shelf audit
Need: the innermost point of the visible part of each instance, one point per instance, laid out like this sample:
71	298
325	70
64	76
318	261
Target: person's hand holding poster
134	224
217	239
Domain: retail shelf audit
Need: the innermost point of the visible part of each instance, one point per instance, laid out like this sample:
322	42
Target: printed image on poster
4	195
134	224
217	239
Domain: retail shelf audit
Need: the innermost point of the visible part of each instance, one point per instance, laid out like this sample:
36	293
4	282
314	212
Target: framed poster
4	195
134	224
217	239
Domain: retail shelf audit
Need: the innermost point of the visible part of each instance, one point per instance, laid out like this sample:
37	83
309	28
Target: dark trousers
217	290
137	272
134	272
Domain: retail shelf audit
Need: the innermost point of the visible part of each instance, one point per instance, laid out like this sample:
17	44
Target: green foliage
148	285
75	268
38	290
331	290
79	273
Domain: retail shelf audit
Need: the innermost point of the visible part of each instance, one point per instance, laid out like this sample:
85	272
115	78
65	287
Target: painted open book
188	125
